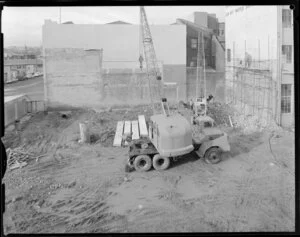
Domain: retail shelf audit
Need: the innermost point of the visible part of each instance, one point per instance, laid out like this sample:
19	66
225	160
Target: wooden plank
119	133
135	130
143	126
127	130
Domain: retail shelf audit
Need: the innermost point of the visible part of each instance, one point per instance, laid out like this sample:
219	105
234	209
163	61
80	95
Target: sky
23	25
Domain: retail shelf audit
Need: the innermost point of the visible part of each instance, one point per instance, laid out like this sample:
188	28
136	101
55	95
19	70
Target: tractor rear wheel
160	162
213	155
142	163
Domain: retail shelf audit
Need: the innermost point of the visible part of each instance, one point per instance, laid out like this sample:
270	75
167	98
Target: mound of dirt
220	113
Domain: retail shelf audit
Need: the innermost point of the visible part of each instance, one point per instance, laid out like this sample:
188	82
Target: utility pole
198	66
60	15
204	72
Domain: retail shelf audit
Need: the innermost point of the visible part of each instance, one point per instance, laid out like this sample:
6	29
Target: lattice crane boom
153	72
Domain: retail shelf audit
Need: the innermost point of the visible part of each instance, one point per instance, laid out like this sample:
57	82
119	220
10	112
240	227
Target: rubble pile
220	113
18	158
248	123
253	123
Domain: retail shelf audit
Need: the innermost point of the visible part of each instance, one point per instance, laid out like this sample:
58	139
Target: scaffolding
251	86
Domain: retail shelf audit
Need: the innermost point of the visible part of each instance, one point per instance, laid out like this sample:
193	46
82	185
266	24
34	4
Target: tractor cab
171	135
199	106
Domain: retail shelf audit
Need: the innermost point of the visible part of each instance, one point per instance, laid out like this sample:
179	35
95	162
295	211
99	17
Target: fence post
16	111
84	133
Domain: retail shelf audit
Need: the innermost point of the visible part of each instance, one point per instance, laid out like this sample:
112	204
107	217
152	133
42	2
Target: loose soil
84	187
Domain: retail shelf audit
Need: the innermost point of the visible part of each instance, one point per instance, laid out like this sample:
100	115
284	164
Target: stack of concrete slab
135	128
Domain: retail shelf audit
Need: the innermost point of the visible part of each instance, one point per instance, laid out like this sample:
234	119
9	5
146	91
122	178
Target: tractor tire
142	163
213	155
160	162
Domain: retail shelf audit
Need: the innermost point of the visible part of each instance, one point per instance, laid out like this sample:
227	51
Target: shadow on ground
243	143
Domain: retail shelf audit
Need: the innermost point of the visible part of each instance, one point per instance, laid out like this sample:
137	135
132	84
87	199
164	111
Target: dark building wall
215	83
212	23
191	53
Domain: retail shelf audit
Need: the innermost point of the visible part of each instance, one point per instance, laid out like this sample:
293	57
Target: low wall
15	107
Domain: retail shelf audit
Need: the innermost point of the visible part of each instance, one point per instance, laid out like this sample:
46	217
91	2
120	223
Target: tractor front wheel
142	163
213	155
160	162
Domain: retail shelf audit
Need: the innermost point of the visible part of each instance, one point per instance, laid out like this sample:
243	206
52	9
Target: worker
210	98
141	59
191	104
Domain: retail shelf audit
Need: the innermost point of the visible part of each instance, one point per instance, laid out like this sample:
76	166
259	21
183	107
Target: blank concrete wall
73	77
248	26
119	42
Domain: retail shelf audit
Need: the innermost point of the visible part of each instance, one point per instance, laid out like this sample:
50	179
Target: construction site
146	142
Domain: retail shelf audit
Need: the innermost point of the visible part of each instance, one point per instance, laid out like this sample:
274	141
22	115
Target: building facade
207	25
15	69
213	49
259	56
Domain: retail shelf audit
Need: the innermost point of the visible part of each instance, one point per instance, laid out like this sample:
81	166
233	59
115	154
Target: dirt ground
84	187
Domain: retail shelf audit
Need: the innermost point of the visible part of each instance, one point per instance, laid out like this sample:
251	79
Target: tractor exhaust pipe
165	107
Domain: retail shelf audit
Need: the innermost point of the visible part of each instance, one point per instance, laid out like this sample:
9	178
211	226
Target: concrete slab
119	133
127	130
135	130
142	126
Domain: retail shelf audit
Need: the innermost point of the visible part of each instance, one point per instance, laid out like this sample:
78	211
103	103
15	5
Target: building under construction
260	62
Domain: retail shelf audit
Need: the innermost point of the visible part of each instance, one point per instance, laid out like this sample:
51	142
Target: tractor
171	137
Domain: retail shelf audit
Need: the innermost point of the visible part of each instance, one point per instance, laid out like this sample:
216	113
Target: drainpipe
279	66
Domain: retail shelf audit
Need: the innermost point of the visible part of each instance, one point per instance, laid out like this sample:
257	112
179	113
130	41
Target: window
286	94
286	18
193	43
228	55
287	51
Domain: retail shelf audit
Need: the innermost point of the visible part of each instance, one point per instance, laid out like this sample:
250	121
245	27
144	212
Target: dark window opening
228	55
286	18
193	43
286	95
287	51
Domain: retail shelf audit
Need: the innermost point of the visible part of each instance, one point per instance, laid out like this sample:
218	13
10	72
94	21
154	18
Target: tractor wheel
213	155
160	162
142	163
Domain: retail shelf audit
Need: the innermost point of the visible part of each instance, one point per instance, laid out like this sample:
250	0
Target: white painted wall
252	24
119	42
